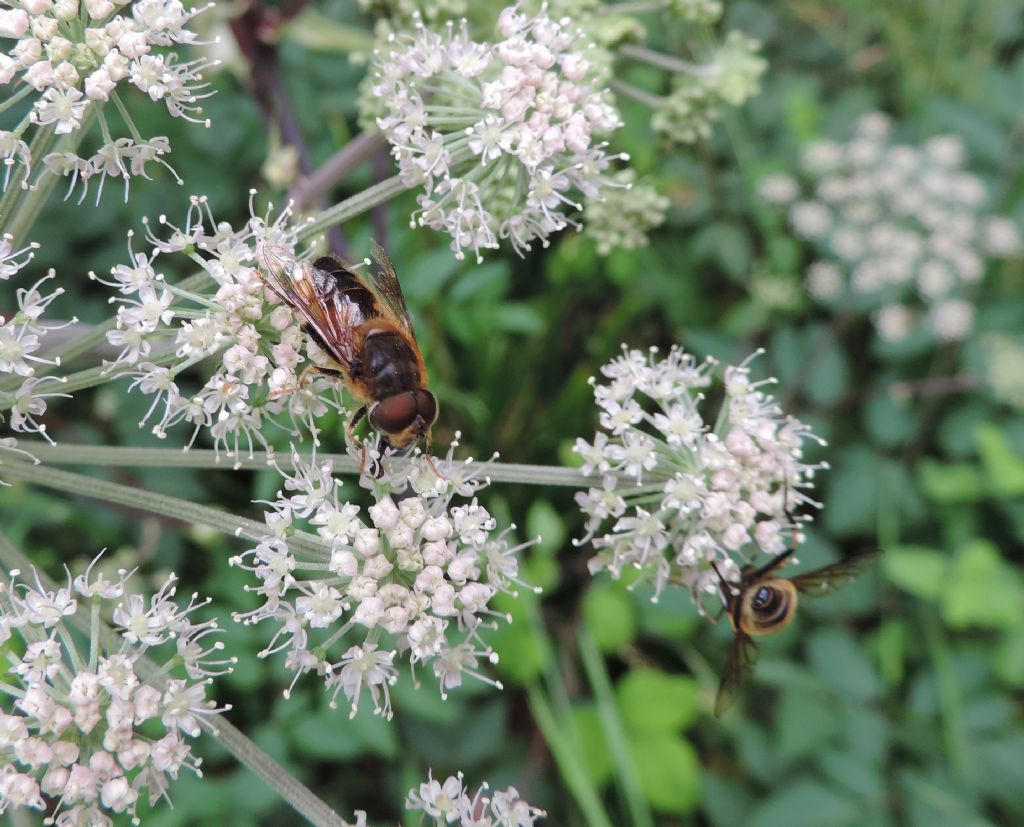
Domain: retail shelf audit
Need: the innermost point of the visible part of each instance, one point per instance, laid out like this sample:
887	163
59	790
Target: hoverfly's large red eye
394	414
426	404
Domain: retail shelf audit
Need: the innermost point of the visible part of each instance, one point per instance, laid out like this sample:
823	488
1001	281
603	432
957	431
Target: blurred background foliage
898	702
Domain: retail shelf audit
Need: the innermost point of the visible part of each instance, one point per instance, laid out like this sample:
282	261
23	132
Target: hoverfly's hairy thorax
767	606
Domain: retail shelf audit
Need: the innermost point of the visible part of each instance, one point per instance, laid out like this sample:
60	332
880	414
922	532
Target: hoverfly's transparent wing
313	295
383	281
832	578
742	657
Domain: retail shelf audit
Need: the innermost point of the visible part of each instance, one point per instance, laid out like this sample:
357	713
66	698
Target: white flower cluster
69	56
164	329
687	492
502	136
731	75
903	231
620	218
72	741
449	802
412	575
23	394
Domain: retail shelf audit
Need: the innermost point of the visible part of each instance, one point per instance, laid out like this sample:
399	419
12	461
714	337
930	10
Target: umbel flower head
71	738
68	58
449	802
687	492
23	394
504	137
164	328
411	577
903	232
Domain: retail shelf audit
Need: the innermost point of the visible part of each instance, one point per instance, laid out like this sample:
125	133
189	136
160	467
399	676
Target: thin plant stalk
125	457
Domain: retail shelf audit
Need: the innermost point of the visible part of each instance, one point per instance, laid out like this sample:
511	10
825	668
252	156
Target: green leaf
982	590
725	244
829	375
594	748
521	657
669	772
327	734
652	702
805	803
916	569
609	616
805	722
889	423
1004	470
840	661
1009	657
950	482
542	520
851	502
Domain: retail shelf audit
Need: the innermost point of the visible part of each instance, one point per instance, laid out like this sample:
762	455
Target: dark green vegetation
895	703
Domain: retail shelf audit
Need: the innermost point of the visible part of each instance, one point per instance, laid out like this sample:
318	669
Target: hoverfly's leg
350	429
430	458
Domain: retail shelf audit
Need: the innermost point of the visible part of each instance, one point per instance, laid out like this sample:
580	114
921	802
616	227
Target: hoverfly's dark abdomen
351	289
389	364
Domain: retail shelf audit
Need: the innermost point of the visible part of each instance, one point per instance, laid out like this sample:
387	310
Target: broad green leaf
805	722
950	482
652	702
982	590
669	772
828	376
327	734
916	569
726	244
521	657
609	616
889	423
1009	657
805	803
840	661
542	520
1004	470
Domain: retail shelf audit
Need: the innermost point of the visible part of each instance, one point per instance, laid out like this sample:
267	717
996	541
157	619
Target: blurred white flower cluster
449	802
621	218
684	491
729	75
411	575
1003	358
503	137
903	231
69	57
71	741
164	328
23	394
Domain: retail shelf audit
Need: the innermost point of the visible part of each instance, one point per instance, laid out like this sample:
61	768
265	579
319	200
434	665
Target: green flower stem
627	775
635	92
33	200
356	205
569	761
156	503
368	199
663	61
122	457
297	794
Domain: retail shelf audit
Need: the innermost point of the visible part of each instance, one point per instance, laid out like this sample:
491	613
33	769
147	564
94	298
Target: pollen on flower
352	592
688	494
72	742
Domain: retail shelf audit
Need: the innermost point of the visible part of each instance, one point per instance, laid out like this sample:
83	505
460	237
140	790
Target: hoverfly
764	603
360	321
